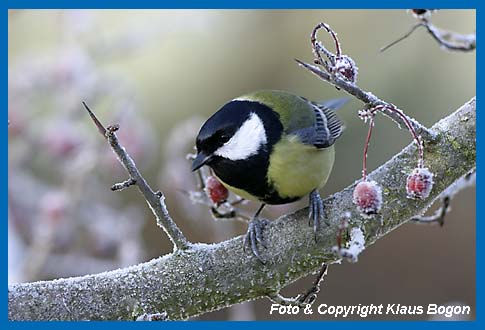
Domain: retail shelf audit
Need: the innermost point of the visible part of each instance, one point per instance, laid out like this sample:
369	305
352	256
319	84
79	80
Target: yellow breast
241	193
296	168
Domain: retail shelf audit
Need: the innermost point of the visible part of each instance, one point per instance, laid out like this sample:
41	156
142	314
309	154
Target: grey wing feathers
328	127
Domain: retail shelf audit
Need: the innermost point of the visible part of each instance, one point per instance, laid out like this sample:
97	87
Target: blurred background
160	74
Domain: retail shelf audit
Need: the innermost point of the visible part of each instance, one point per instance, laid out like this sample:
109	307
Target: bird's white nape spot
247	140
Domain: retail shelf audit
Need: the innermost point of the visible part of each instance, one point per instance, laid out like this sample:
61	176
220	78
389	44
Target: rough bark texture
209	277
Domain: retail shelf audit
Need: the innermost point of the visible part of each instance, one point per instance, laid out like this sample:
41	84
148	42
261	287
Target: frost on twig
153	317
355	245
342	74
341	71
303	299
446	39
123	185
438	217
154	200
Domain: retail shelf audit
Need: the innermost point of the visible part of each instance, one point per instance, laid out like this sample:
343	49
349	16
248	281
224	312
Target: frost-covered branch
368	98
341	71
446	39
155	200
208	277
451	40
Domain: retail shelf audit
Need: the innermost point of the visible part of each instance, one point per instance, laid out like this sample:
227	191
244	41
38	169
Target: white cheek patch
246	141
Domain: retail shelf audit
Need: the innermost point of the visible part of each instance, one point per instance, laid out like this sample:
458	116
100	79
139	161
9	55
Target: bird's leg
316	211
255	234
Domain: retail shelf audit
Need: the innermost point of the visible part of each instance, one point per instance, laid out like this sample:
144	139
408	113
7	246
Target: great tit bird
273	147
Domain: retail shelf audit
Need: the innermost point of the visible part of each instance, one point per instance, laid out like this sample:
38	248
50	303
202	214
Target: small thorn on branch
98	124
123	185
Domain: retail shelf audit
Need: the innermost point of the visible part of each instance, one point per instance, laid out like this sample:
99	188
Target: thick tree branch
208	277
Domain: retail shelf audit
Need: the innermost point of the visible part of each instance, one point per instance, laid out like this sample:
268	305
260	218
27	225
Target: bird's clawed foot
316	211
255	237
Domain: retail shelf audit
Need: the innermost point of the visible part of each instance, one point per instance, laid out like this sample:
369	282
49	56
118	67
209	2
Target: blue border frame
250	4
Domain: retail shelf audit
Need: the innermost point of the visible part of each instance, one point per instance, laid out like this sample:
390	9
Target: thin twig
343	230
154	200
438	216
406	120
366	97
123	185
366	148
383	49
331	75
459	42
303	299
310	295
446	39
318	47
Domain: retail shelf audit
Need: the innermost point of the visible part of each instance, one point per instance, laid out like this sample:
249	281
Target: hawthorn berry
215	190
419	183
368	197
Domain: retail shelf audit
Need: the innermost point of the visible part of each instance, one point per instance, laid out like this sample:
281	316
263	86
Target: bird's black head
239	130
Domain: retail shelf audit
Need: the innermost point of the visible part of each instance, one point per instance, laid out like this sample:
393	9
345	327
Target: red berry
368	197
419	183
215	190
345	66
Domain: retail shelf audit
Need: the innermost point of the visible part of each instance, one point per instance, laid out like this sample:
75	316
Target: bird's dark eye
224	138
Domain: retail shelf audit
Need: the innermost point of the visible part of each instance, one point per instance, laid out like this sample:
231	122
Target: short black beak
200	160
